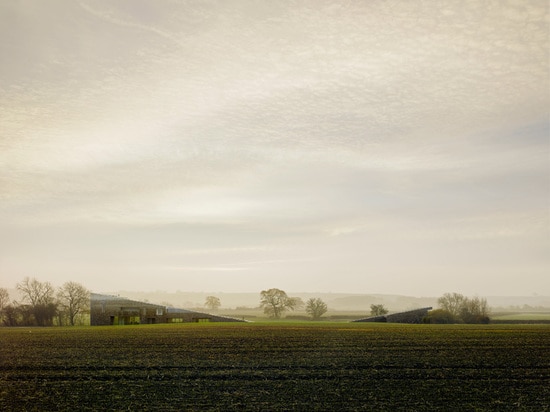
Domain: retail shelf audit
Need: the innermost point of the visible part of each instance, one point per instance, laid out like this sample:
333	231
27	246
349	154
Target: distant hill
335	301
391	302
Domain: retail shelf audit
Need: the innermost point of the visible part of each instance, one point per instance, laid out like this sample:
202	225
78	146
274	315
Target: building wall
114	310
111	310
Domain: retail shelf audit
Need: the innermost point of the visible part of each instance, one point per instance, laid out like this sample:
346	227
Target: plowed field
276	366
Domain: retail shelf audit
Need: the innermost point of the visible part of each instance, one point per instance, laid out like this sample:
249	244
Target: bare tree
378	310
4	298
315	307
475	310
464	309
276	301
4	301
452	303
35	292
40	297
73	299
212	302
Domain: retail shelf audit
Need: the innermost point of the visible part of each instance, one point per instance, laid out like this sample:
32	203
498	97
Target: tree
4	298
44	313
452	303
276	301
11	315
464	309
475	310
74	299
40	297
377	310
35	292
4	301
315	307
212	302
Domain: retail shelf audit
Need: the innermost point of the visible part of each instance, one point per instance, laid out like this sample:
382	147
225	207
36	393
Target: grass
523	316
276	366
258	315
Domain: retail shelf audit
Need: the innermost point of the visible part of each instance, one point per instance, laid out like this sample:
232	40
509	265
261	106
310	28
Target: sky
397	147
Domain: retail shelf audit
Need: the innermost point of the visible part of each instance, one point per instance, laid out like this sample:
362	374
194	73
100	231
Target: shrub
440	316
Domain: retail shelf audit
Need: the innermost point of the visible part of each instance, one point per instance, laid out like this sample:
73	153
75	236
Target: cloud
275	123
205	269
110	18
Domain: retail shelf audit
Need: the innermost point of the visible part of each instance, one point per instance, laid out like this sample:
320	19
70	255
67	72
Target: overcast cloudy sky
346	146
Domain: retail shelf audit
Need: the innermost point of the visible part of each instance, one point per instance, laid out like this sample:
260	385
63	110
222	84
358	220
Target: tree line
42	304
457	308
453	307
275	302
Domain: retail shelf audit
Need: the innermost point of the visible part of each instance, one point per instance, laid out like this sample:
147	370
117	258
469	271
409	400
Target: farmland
536	316
276	366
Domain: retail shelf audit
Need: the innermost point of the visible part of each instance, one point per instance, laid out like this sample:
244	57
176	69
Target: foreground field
277	366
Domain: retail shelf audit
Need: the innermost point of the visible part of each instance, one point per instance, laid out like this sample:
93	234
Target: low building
410	316
116	310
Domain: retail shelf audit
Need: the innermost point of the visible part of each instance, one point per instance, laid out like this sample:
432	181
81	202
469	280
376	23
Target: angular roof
112	299
122	301
409	316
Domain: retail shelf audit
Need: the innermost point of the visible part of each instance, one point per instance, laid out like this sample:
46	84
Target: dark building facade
116	310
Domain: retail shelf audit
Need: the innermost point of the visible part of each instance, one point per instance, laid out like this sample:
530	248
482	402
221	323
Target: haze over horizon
395	147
